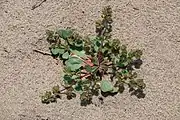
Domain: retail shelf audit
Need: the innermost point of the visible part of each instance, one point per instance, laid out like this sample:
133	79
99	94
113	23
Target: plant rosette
94	65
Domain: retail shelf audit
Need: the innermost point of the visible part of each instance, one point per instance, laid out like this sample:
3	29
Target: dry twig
38	4
42	52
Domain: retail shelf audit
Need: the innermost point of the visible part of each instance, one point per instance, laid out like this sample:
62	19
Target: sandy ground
151	25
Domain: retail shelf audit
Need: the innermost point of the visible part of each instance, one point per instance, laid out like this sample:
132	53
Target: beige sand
152	25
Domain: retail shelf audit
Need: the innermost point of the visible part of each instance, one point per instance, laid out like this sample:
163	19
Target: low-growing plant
93	66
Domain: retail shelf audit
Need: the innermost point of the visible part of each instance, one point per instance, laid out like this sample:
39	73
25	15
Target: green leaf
95	60
56	89
65	34
65	55
79	43
56	51
105	50
75	67
90	69
121	64
75	77
48	98
68	79
92	38
74	60
124	71
115	90
97	44
106	86
78	88
73	63
79	53
115	59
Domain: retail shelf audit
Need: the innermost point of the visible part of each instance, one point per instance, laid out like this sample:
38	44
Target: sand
151	25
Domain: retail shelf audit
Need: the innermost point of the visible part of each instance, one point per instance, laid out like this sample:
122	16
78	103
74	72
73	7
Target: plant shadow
139	93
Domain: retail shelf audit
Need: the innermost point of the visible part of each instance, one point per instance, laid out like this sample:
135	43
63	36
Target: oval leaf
106	86
75	67
115	90
65	55
79	53
74	60
78	88
56	51
74	63
64	33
